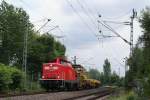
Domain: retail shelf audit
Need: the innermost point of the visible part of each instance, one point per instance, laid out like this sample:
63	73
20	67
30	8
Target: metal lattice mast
134	14
25	47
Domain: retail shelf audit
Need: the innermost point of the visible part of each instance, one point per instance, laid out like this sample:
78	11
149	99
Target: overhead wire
91	19
90	9
116	22
48	20
111	29
44	19
41	20
62	33
120	16
117	36
88	15
24	3
114	58
52	29
81	18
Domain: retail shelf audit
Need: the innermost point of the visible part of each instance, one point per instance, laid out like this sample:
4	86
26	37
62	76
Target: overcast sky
77	21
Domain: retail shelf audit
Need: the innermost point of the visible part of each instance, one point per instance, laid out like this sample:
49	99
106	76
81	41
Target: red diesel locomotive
59	74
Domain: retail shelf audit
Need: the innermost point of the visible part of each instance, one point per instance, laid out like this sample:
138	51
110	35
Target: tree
14	24
106	77
139	62
94	74
114	79
107	71
43	49
145	24
11	78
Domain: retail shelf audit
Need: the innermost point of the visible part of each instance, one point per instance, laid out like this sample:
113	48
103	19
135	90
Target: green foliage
137	68
107	71
94	74
139	73
34	86
5	78
106	77
146	83
116	80
14	25
131	97
11	78
17	78
125	96
43	49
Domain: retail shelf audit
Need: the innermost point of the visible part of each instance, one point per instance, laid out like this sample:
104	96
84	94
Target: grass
123	96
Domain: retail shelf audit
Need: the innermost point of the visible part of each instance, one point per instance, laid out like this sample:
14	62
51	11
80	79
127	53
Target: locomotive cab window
65	63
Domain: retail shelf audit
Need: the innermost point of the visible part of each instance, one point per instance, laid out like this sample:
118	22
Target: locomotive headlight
43	77
46	67
51	65
55	67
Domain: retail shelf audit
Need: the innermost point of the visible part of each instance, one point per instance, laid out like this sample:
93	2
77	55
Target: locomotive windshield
65	63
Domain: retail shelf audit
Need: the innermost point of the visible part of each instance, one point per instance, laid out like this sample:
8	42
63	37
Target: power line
55	27
24	3
116	22
79	15
118	35
52	28
29	7
121	15
106	36
111	29
114	57
41	20
134	14
81	18
60	30
82	7
115	27
44	25
90	9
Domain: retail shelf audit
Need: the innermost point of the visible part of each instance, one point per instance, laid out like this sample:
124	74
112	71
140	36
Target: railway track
25	94
90	94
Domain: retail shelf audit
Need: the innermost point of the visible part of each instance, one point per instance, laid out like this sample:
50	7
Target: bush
132	96
17	78
10	78
5	78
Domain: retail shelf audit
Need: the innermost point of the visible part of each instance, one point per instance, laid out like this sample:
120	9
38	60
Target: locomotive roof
61	59
78	66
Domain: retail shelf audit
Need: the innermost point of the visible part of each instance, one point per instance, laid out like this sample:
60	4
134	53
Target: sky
77	21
